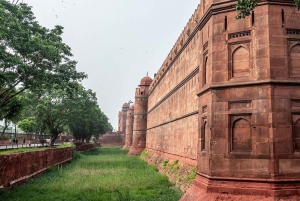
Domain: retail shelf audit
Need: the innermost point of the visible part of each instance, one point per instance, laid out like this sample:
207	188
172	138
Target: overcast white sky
116	42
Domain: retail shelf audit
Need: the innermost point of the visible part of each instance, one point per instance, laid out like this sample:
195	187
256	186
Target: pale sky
116	42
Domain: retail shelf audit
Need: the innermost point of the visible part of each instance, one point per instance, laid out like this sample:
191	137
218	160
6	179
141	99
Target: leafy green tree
31	56
11	112
86	118
28	125
52	112
244	7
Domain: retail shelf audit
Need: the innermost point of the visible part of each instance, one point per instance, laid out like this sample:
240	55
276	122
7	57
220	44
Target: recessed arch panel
204	136
241	136
297	134
295	60
240	62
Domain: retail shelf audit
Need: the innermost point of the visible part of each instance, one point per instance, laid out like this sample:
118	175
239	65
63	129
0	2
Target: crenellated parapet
185	37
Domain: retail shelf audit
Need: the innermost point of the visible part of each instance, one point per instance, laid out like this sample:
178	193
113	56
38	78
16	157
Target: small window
204	137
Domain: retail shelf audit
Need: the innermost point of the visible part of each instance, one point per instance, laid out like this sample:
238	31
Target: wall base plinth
224	189
135	151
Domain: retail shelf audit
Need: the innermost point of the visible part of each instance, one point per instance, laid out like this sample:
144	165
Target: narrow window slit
282	17
253	18
225	23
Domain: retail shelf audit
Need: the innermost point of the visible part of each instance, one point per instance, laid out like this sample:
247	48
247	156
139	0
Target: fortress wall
172	119
177	138
173	103
181	102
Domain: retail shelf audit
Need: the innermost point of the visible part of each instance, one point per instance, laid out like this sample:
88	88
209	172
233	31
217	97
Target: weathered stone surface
129	127
112	139
16	168
86	146
140	117
228	97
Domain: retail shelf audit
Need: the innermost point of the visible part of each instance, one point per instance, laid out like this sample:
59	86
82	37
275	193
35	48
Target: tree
52	112
86	118
31	56
10	113
28	125
244	7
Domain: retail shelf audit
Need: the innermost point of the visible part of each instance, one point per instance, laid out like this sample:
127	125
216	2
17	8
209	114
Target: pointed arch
241	136
295	60
240	62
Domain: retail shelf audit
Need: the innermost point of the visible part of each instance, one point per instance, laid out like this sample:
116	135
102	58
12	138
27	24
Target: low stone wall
16	168
86	146
112	139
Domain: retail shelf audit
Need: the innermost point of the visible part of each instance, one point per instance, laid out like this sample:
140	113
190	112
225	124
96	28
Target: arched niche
205	76
295	60
240	62
241	136
297	134
204	136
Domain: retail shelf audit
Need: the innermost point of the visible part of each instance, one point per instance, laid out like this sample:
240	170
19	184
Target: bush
76	155
3	137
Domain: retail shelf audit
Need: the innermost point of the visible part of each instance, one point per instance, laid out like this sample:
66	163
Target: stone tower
129	127
140	116
122	118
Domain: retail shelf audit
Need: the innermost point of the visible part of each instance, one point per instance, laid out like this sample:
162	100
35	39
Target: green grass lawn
106	173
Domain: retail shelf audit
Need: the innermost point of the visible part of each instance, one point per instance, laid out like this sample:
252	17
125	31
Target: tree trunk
52	139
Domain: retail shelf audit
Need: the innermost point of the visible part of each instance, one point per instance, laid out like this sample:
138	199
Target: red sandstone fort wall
227	95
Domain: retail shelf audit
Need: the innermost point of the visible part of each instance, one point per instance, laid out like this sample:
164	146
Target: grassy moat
106	173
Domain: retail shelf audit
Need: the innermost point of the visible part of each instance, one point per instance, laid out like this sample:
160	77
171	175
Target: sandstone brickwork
17	168
122	118
112	139
140	116
227	98
129	127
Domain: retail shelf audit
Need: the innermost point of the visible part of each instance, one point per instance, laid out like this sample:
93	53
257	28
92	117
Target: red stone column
122	118
129	127
140	117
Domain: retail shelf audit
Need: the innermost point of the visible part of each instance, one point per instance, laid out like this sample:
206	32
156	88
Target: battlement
199	18
185	36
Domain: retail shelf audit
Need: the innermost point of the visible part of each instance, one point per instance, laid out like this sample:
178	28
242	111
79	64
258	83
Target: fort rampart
227	98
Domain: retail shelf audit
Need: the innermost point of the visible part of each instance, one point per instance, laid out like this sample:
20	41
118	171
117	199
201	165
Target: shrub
164	163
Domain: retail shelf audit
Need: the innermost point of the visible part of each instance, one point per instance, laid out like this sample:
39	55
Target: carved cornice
252	83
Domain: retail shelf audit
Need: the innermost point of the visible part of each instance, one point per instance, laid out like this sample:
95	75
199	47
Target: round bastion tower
129	127
140	116
122	118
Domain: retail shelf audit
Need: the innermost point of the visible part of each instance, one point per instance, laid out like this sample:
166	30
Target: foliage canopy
244	7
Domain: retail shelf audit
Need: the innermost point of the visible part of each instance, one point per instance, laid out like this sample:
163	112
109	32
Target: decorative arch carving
240	62
295	60
241	136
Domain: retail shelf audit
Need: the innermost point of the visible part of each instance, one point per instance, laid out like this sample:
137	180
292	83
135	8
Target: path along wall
16	168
